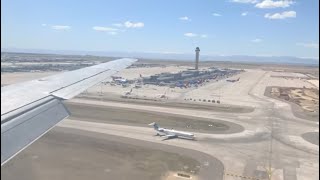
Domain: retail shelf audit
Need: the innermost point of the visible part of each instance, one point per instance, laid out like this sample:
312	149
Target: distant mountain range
177	56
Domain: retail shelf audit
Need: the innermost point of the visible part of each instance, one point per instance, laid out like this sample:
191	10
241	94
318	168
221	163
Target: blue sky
218	27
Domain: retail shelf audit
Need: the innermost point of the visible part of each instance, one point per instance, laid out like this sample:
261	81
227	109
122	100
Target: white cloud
60	27
43	24
129	24
185	18
110	31
244	14
309	45
245	1
104	29
283	15
216	14
195	35
257	40
267	4
190	34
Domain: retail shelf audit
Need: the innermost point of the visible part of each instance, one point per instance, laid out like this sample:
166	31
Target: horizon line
146	52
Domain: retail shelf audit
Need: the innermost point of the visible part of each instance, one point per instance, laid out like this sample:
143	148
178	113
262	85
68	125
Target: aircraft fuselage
171	132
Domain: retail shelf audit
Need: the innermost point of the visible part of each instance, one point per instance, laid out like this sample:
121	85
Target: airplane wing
30	109
169	136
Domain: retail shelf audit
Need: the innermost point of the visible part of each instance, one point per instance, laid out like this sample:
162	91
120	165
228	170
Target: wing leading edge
30	109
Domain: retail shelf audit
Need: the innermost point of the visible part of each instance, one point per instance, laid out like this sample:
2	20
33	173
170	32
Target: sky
218	27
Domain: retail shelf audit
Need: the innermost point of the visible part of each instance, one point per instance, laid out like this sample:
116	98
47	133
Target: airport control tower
197	57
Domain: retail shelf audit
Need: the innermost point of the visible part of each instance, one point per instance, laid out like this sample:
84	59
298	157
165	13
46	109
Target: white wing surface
30	109
170	136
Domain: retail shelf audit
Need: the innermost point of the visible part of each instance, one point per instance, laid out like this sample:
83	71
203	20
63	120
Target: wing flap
25	128
169	136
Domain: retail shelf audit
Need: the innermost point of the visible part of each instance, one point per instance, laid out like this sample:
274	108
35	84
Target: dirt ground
315	82
11	78
66	153
307	99
304	101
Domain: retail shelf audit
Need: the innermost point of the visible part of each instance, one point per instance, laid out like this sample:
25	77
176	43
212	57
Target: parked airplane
30	109
170	133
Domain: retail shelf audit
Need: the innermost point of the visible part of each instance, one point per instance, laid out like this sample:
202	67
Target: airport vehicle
233	80
32	108
120	80
171	133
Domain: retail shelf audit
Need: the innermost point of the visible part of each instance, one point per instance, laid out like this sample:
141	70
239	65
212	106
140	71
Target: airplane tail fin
155	125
